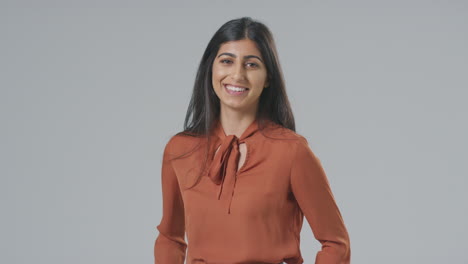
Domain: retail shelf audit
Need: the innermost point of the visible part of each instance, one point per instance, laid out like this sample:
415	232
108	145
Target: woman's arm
314	196
170	245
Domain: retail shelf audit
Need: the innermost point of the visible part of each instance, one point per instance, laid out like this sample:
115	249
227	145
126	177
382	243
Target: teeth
234	88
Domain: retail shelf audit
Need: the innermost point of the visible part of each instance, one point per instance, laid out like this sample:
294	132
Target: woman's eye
251	64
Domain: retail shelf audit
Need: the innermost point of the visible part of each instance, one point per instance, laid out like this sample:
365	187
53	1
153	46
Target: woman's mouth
235	90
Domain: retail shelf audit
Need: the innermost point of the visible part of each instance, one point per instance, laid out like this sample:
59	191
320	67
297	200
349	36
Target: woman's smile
235	90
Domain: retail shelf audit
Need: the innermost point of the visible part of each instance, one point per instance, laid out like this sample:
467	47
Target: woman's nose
238	72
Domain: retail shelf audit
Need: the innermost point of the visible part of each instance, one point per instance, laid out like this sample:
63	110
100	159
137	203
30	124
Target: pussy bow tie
224	167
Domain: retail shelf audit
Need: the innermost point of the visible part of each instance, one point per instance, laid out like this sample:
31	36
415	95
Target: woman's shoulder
181	141
279	132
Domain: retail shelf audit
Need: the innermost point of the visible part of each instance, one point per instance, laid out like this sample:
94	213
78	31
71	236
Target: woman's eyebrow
245	57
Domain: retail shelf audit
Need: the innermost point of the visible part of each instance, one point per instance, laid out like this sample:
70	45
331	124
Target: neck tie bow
223	170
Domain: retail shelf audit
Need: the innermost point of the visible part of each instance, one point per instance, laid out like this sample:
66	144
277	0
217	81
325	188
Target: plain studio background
91	91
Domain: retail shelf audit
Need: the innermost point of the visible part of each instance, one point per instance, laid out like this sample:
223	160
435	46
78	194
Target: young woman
239	180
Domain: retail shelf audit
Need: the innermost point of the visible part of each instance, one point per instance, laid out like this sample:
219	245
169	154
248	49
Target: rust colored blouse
249	215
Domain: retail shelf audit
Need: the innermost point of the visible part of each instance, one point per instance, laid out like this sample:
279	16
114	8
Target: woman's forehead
244	47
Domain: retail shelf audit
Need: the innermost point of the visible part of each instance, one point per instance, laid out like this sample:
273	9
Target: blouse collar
248	132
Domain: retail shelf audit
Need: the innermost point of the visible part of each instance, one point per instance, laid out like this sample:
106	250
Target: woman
239	180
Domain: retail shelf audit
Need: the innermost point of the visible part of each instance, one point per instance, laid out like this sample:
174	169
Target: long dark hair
204	107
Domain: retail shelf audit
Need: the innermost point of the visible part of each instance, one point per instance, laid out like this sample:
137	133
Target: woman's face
239	63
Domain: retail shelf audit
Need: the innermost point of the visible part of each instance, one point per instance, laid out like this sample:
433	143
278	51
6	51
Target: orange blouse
251	215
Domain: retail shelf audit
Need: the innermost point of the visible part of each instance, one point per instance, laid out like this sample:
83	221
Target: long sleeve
313	194
170	246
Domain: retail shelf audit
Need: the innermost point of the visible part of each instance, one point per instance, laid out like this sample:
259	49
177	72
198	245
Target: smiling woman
238	180
239	76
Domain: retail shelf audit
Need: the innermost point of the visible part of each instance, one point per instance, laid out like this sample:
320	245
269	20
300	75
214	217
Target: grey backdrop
91	91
